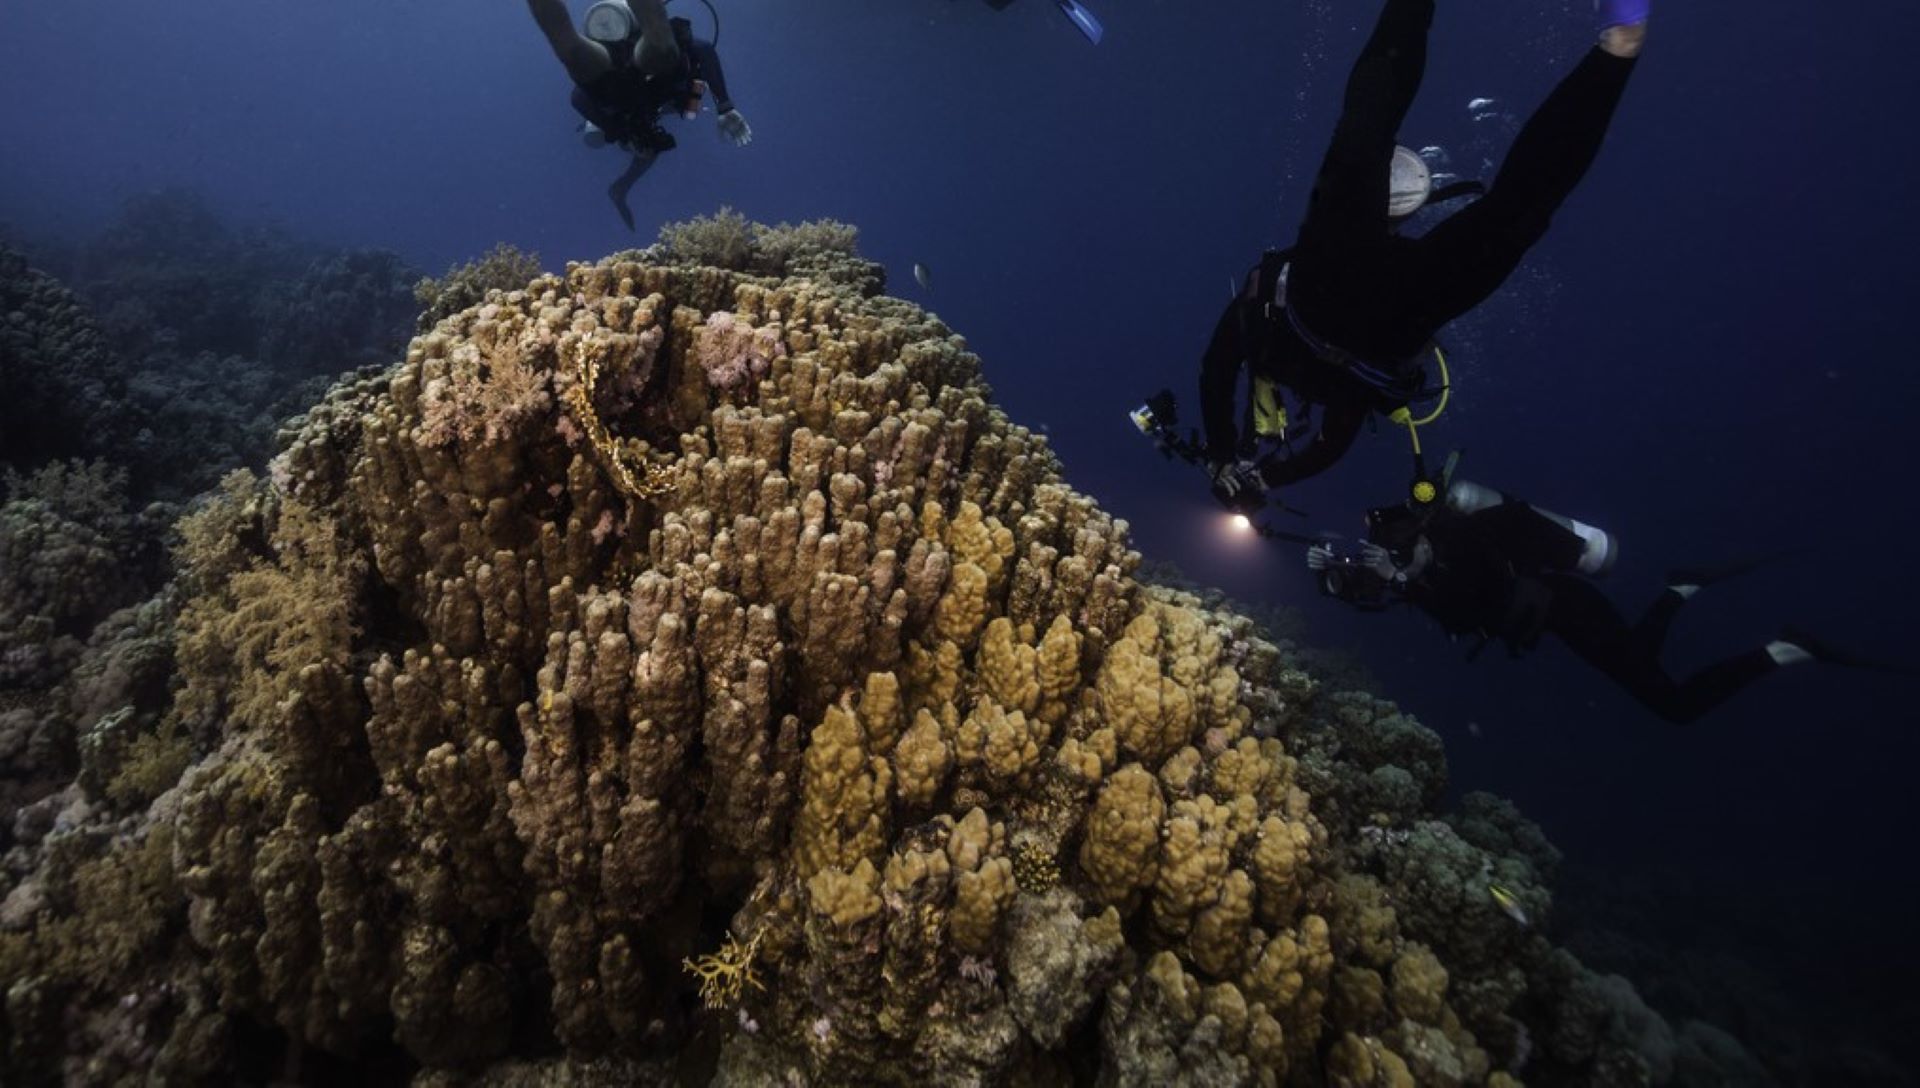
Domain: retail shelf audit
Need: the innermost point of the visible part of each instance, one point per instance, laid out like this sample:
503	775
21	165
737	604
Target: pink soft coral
734	354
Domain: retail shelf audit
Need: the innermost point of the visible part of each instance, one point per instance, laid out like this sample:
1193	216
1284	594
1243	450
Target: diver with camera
1493	568
1490	567
1343	324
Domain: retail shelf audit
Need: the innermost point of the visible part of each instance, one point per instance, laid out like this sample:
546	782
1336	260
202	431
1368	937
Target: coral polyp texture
673	668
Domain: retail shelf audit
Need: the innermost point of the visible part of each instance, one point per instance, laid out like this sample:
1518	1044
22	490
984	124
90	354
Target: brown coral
553	659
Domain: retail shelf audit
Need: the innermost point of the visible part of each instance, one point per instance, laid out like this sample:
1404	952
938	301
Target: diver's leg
657	54
623	185
1594	630
1715	684
1349	197
1652	629
1589	625
1467	257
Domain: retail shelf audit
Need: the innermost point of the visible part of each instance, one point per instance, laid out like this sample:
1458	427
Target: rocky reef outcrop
172	345
679	667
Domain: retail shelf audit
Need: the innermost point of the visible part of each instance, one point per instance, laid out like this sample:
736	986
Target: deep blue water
1710	355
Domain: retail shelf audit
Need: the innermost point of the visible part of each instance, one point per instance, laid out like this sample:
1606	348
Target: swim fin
1828	654
1083	19
1701	577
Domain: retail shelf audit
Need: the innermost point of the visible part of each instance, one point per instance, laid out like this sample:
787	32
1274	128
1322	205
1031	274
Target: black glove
1238	484
1319	558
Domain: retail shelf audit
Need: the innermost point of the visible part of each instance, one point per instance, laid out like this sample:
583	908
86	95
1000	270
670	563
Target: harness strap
1377	378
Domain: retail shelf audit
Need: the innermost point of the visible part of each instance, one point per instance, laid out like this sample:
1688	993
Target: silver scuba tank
1598	549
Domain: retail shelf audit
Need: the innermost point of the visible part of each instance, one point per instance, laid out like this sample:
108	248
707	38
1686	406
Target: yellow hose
1402	415
1446	389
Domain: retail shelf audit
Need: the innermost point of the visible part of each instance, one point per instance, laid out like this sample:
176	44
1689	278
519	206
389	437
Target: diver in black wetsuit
1344	320
1490	567
630	65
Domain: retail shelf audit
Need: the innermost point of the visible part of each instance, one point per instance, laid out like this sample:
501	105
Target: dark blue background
1710	355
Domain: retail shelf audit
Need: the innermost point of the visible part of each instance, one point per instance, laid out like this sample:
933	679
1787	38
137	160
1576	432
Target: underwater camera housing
1159	414
1348	577
1157	419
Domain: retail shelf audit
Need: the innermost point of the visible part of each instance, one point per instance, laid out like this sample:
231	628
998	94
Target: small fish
1479	104
1473	730
922	277
1509	904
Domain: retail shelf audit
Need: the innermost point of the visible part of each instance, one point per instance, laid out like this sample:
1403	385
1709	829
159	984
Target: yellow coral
1195	855
1365	1062
974	839
1151	715
1359	995
935	676
1281	853
975	538
921	760
980	899
1088	759
1059	669
1121	851
1009	669
963	609
1419	984
881	712
1006	745
843	798
1219	938
846	898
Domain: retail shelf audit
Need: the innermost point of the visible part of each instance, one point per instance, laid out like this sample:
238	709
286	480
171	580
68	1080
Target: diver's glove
735	128
1237	483
1319	558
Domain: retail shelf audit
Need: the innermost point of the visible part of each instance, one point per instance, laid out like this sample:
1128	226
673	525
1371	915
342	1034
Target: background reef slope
679	667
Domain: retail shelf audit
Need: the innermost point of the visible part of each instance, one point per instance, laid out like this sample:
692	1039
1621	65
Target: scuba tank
1577	547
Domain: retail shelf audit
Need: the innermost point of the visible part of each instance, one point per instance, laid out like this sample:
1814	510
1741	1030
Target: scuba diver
630	65
1345	320
1487	566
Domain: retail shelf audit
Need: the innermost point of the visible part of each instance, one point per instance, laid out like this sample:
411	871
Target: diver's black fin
1733	568
1828	654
